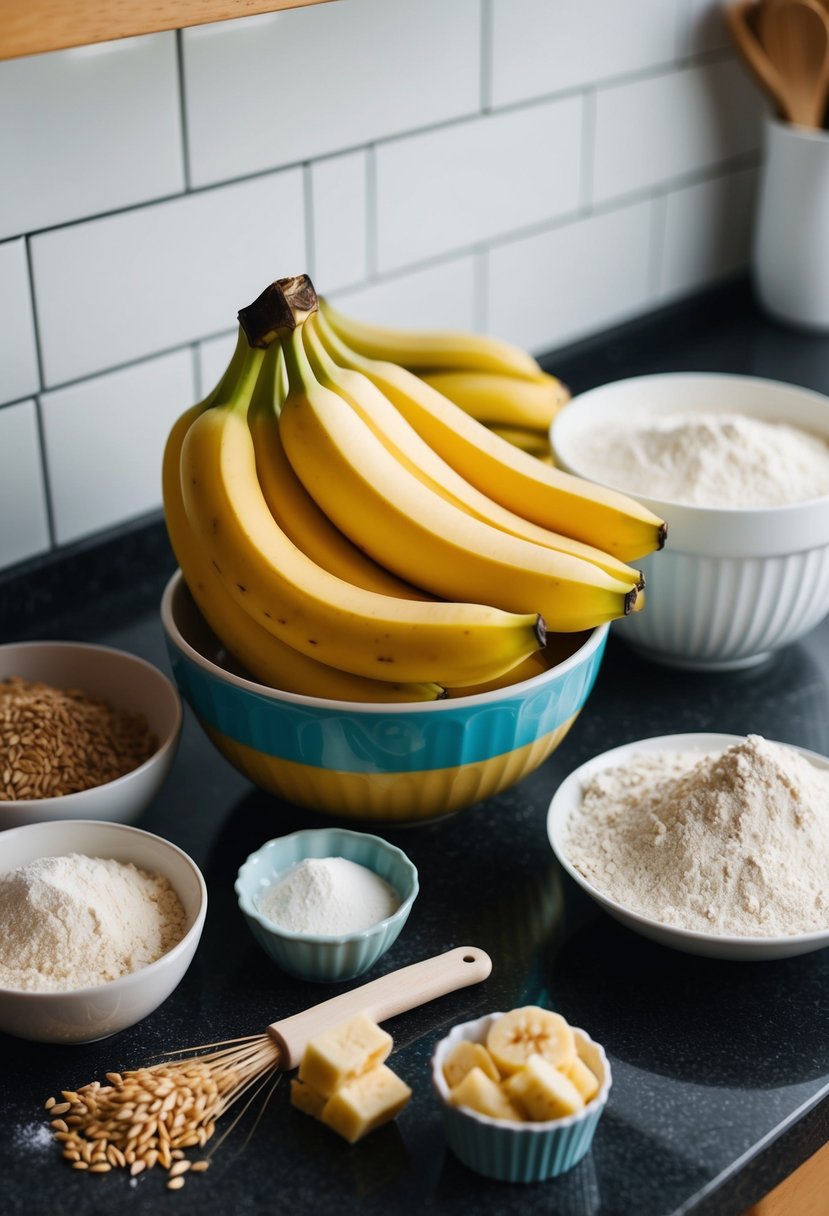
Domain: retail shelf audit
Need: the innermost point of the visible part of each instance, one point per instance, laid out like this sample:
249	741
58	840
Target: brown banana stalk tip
283	304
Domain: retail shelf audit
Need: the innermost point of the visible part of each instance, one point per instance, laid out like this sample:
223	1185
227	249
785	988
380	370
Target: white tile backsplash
428	163
88	130
122	287
460	185
339	208
19	375
307	82
541	46
213	357
441	296
561	285
24	523
708	228
664	127
104	440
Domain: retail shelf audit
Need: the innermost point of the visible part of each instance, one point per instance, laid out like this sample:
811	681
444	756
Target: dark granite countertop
721	1070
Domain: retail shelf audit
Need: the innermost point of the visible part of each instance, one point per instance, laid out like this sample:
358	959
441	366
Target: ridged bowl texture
519	1152
732	585
325	958
397	762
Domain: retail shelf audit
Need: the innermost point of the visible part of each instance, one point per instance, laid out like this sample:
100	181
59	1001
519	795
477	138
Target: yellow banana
433	350
307	607
537	443
408	527
403	441
268	660
494	398
545	495
294	509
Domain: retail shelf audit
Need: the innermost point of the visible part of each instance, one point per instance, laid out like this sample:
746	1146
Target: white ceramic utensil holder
791	238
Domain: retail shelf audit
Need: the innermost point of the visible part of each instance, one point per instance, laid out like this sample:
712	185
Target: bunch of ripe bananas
348	531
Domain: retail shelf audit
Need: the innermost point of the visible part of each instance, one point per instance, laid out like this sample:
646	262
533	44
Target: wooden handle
383	998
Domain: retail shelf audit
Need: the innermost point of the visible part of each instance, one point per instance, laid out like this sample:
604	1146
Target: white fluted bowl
732	585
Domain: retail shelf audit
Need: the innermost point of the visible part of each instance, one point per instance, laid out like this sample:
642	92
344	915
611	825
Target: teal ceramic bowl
324	958
519	1152
403	763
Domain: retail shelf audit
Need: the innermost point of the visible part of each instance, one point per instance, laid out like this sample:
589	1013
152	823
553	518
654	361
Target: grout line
197	376
480	281
308	216
41	434
372	251
588	151
182	103
487	20
656	243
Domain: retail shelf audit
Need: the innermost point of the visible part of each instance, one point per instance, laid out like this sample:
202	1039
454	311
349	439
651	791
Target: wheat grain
149	1116
55	741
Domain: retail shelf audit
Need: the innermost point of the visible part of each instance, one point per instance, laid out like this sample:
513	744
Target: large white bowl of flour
712	844
738	466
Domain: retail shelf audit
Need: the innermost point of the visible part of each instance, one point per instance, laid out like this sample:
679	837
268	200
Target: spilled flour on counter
734	842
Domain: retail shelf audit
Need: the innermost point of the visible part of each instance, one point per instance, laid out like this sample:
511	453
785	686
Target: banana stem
297	365
283	305
269	389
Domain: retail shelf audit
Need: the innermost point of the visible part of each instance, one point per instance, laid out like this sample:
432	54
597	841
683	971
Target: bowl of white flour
738	466
98	924
711	844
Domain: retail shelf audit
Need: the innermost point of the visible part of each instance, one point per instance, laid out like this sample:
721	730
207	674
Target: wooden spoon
795	37
741	20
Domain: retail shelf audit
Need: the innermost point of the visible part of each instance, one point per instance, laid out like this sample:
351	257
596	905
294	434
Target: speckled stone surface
721	1070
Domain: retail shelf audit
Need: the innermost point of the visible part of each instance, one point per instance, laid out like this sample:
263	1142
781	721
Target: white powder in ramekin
328	896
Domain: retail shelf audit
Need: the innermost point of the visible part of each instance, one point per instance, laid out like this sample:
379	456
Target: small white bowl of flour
712	844
738	466
98	924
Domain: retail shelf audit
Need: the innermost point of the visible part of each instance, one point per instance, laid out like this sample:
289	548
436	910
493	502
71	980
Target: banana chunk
359	1106
584	1079
480	1093
343	1053
528	1031
541	1092
465	1056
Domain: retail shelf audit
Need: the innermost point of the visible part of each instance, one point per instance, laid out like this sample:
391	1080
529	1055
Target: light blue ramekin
313	957
519	1152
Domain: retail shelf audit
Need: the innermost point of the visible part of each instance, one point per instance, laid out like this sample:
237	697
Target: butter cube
464	1056
479	1092
369	1100
542	1092
307	1099
584	1079
343	1053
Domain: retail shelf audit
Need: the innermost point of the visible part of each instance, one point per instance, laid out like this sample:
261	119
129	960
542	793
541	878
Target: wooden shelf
29	27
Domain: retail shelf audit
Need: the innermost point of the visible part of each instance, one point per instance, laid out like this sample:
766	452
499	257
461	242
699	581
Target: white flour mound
328	896
74	921
735	842
709	460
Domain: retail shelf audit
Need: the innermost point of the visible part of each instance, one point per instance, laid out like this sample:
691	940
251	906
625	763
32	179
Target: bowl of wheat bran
86	732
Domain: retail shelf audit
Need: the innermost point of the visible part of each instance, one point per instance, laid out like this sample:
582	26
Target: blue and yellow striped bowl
397	763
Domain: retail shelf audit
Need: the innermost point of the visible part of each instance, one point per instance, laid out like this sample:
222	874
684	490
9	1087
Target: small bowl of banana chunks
521	1093
385	609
